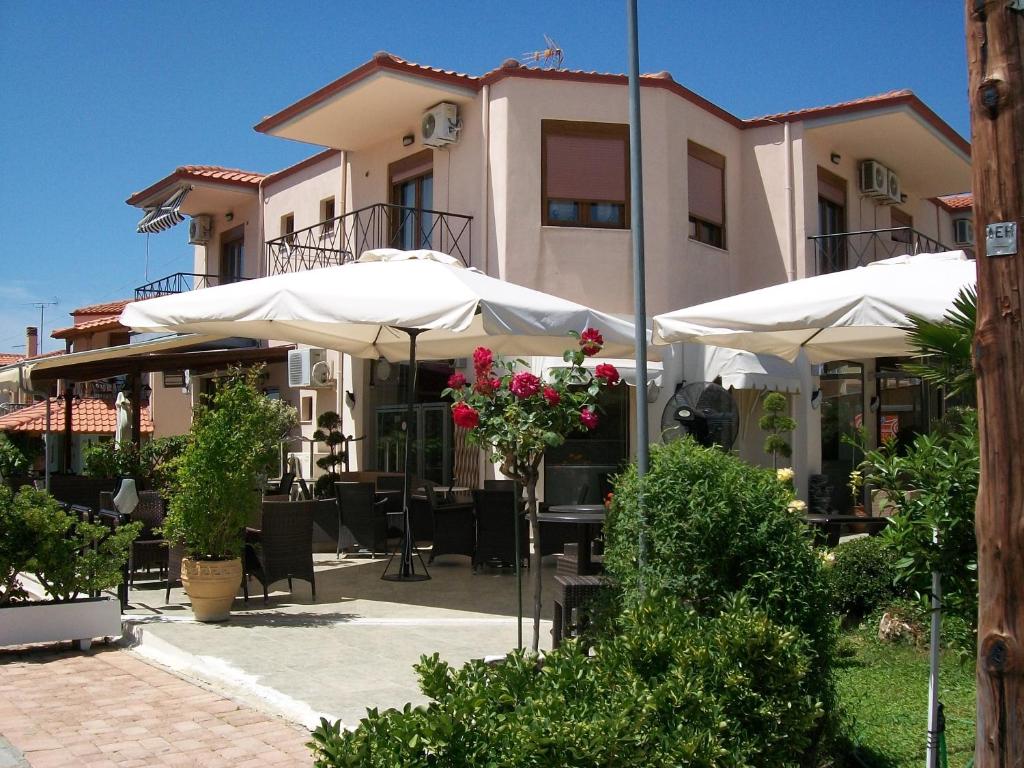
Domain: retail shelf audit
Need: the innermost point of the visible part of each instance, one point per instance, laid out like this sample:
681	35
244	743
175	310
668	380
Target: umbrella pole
933	668
407	567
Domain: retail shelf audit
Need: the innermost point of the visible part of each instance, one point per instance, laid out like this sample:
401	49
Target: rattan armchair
363	515
496	512
283	549
454	525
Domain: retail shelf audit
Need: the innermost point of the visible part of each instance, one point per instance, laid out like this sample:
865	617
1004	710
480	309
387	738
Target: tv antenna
41	306
549	57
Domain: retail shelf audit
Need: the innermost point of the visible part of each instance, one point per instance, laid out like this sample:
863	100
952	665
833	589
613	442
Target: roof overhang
210	197
372	101
891	135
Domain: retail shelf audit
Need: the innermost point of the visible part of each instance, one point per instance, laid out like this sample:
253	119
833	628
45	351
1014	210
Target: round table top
574	513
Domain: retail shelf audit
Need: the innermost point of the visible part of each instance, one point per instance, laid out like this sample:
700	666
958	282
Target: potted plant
233	440
51	565
776	423
515	417
329	432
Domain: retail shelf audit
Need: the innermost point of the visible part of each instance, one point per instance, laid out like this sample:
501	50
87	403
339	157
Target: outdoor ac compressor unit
301	363
200	229
894	188
874	179
440	125
963	232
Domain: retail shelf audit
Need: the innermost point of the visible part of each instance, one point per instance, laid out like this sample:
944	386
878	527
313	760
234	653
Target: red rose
487	385
524	385
552	396
588	417
483	359
608	372
456	381
465	416
591	341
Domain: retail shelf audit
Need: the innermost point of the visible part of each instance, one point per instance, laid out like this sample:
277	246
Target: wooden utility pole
995	34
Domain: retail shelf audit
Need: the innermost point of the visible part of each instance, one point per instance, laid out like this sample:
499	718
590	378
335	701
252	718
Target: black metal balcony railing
846	250
180	282
382	225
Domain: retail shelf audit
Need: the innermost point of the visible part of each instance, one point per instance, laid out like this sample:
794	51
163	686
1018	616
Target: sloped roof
89	326
961	202
89	415
106	308
215	174
6	358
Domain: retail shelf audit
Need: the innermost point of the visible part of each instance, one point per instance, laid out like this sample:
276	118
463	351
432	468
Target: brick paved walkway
107	708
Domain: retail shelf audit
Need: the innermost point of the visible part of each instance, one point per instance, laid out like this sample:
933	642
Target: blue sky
100	99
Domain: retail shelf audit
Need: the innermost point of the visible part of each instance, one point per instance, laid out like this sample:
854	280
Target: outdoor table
832	525
585	517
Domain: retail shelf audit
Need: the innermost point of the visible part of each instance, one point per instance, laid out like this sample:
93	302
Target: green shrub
12	460
717	526
328	431
671	688
862	576
158	459
234	439
67	556
107	459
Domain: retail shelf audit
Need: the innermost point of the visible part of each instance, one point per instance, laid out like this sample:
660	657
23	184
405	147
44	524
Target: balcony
846	250
345	238
180	282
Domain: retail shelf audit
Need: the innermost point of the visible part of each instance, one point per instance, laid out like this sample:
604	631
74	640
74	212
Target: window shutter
585	167
706	189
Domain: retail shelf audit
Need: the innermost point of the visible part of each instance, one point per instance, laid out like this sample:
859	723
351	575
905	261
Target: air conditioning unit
963	231
200	229
440	125
874	179
301	363
894	189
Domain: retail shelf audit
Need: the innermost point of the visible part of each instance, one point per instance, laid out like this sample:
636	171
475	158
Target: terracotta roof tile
99	324
89	415
218	173
384	56
901	94
6	358
106	308
960	202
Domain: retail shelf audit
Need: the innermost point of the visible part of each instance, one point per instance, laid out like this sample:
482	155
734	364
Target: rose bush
515	417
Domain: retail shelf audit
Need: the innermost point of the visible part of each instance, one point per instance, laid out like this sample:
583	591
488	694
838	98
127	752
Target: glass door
831	220
432	456
842	416
413	225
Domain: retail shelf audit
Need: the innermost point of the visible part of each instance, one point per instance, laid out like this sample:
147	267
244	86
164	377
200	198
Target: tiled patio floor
107	707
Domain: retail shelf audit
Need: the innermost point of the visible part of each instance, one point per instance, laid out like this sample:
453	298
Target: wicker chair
175	553
284	546
363	515
495	528
328	529
499	485
149	549
454	525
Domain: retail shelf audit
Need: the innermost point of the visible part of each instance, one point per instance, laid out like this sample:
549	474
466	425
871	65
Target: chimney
31	341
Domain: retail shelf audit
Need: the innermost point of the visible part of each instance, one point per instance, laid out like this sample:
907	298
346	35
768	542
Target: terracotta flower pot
859	511
211	585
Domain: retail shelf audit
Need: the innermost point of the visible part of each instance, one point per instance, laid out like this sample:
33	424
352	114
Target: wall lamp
408	139
835	157
816	399
350	399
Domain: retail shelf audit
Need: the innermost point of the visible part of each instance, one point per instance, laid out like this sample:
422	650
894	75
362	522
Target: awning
165	215
625	366
745	370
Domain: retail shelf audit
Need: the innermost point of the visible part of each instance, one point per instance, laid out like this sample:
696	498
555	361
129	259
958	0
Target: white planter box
79	620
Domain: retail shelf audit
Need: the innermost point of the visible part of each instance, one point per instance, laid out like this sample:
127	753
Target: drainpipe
787	140
485	163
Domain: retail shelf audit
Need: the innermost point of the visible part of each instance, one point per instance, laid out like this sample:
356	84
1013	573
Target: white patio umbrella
396	304
856	313
123	427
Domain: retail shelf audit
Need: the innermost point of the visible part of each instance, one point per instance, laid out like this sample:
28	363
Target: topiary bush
862	576
672	687
717	526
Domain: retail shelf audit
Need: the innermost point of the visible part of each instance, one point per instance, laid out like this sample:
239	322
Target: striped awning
165	215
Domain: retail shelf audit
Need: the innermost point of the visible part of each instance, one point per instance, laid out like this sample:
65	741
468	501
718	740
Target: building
523	173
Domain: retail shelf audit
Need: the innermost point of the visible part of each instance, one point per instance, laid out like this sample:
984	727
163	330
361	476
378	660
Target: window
288	227
412	197
831	221
584	174
232	255
327	215
705	181
306	408
904	223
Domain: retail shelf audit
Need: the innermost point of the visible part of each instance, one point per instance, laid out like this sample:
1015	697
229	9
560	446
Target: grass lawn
884	691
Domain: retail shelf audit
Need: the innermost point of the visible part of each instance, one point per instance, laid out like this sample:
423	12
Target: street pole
636	198
995	35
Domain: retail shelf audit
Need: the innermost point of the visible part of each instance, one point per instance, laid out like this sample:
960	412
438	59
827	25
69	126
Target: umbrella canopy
856	313
362	308
123	431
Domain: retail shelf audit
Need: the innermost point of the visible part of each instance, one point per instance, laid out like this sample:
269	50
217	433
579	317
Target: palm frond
947	346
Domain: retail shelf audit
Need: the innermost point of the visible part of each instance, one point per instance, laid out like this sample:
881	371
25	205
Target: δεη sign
1001	238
